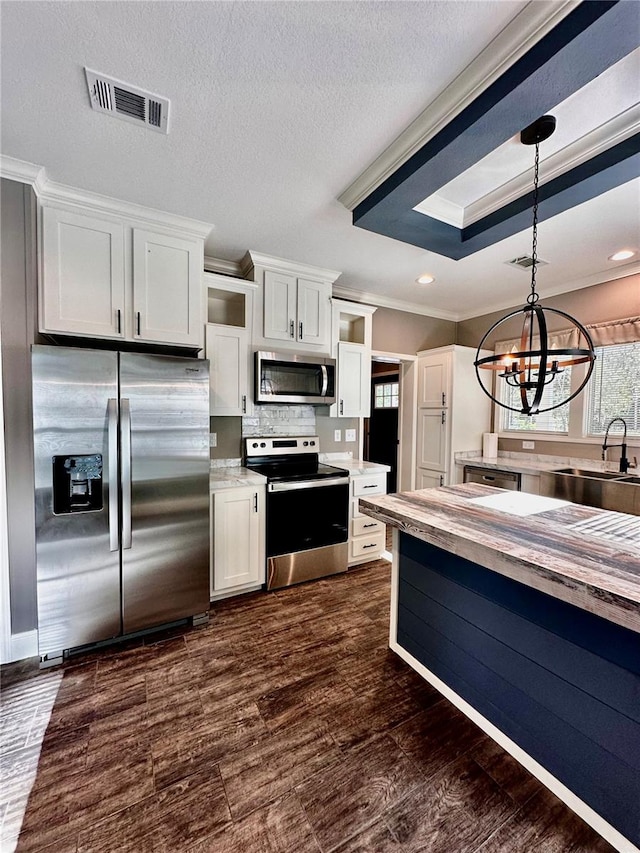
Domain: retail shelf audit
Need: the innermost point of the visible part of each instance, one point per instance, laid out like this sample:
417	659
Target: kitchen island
530	624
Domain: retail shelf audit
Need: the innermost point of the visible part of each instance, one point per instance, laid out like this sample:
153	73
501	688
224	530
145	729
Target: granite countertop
541	550
359	466
233	477
529	463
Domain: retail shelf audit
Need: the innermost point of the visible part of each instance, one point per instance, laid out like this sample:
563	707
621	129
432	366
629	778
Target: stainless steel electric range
307	509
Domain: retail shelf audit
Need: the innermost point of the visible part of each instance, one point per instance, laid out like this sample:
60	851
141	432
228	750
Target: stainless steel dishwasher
492	477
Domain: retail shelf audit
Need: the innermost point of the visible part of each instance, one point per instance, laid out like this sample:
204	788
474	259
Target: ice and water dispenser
77	483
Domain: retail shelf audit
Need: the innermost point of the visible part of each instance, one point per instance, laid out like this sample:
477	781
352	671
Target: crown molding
222	266
527	28
23	172
599	277
389	302
600	139
255	259
51	192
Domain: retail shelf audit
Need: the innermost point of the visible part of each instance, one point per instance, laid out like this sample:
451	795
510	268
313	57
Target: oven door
306	514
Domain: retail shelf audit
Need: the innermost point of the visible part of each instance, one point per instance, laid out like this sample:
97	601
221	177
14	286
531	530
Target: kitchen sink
602	489
596	475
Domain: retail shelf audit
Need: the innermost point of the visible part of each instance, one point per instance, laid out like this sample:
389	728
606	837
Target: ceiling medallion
535	365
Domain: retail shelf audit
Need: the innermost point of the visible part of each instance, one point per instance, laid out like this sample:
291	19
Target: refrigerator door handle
112	463
125	446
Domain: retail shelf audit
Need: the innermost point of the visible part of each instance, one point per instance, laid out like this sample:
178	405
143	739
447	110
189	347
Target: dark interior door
382	436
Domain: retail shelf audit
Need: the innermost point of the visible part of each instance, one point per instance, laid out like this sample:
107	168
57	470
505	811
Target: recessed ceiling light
622	255
426	278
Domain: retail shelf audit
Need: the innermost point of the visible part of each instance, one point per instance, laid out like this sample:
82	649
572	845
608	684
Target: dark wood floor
285	726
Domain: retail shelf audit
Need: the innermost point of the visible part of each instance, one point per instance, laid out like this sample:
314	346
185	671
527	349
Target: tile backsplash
280	420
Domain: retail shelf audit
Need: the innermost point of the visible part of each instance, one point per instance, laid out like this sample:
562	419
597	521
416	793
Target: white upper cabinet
434	377
296	309
351	347
280	306
83	275
228	344
354	381
312	311
113	274
293	304
167	288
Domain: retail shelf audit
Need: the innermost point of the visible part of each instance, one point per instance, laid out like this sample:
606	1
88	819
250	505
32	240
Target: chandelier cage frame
532	369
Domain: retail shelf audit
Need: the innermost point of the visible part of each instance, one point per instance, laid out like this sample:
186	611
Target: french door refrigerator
121	445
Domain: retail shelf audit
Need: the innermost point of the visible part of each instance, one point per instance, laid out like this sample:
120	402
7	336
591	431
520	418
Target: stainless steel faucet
624	462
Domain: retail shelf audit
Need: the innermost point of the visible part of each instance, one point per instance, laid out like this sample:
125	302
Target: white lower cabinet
237	540
367	536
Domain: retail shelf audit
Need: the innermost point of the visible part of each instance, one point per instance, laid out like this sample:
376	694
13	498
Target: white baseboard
599	824
21	646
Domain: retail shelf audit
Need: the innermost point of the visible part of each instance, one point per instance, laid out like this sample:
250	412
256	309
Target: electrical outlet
349	435
337	435
528	445
213	439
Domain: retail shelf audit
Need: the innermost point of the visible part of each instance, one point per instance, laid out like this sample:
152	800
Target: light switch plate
349	435
528	445
337	435
213	439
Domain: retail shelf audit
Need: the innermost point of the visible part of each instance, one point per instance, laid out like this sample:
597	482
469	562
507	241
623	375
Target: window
386	395
614	389
557	420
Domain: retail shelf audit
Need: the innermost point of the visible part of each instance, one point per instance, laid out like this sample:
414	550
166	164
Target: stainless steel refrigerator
121	444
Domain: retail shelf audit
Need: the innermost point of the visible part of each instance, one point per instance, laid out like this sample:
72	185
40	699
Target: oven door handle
307	484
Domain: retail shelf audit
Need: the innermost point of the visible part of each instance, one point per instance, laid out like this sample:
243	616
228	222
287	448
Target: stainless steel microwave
282	377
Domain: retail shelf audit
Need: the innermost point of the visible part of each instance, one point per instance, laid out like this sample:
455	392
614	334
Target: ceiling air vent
525	262
122	100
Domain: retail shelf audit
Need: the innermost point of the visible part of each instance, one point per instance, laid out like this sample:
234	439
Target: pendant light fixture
534	364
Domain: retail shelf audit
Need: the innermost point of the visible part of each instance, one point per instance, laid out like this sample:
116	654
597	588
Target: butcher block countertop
561	550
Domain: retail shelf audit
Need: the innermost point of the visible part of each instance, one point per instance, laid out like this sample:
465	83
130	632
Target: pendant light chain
533	296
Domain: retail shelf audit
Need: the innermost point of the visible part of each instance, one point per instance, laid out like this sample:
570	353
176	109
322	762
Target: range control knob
313	444
255	444
305	443
263	444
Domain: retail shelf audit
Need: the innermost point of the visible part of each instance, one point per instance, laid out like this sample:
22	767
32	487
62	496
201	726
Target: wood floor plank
350	796
276	764
280	827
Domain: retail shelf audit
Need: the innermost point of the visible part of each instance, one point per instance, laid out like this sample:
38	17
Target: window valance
624	331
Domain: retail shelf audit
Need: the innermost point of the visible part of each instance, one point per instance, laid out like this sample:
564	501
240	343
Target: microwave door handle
325	380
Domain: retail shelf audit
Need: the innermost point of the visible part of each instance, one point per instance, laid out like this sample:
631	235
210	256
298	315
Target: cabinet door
228	351
83	276
354	381
313	312
428	479
432	439
167	288
433	380
238	538
279	306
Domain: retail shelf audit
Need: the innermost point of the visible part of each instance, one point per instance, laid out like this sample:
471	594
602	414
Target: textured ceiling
276	108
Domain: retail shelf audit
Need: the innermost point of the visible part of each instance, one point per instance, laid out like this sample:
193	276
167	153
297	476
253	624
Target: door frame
407	421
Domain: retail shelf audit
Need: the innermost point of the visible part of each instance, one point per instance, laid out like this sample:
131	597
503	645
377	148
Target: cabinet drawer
370	484
363	545
364	525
